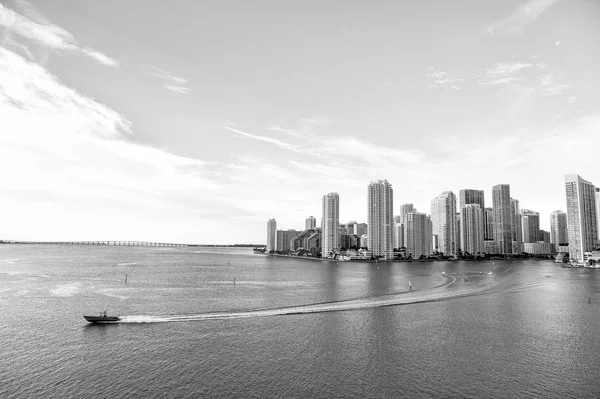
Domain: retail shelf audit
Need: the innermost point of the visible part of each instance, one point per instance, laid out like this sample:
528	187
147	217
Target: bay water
291	327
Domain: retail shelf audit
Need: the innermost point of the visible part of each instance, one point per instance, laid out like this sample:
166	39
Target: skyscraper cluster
470	230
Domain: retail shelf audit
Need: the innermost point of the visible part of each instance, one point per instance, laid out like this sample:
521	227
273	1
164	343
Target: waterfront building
531	225
364	241
471	229
311	223
443	217
488	221
306	240
285	239
544	236
516	229
418	235
398	233
558	228
380	221
330	223
582	225
502	219
491	247
538	248
597	191
271	235
404	209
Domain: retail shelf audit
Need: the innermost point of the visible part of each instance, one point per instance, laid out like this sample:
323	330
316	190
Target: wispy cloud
171	82
503	73
278	143
34	27
520	18
550	87
441	78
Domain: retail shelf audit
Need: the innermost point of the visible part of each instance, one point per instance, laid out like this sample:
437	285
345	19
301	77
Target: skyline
231	113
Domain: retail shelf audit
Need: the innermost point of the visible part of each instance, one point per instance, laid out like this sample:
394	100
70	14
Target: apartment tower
582	224
502	219
330	223
380	221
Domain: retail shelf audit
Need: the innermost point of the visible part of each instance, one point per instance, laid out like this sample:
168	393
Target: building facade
330	223
311	223
516	230
558	228
582	225
471	229
488	220
418	234
443	217
502	219
380	223
466	197
271	235
285	239
531	225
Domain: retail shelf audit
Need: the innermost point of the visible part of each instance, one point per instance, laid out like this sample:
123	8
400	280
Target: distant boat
102	318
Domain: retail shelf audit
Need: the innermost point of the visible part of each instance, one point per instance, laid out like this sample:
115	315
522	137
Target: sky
198	121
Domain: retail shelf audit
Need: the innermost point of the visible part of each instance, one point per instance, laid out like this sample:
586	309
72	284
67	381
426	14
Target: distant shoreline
401	260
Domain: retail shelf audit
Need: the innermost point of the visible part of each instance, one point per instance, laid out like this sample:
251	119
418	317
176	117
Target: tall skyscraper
502	220
330	223
443	217
558	228
380	219
531	226
404	209
418	234
469	196
471	229
516	229
311	223
582	224
398	232
271	235
488	220
598	211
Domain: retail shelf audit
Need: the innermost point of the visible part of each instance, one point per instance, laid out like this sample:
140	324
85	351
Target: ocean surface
291	327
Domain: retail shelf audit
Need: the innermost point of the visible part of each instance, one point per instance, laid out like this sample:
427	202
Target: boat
102	318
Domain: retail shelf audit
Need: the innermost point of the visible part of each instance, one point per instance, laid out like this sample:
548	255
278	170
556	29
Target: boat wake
457	285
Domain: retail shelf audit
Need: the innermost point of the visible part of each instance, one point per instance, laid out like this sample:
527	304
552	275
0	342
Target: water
291	327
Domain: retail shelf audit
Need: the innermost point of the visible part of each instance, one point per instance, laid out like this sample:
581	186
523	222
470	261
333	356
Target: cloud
171	82
34	27
76	173
517	22
441	78
550	87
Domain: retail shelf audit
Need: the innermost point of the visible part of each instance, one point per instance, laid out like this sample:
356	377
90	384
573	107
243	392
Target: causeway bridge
105	243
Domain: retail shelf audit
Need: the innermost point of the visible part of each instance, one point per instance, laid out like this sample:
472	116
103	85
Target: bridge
105	243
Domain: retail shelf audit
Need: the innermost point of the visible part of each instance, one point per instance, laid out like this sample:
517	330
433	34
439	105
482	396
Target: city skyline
195	132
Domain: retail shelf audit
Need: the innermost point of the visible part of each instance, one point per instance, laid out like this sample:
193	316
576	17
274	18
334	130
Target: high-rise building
330	234
360	229
380	219
443	217
471	228
582	224
558	228
404	209
531	225
544	236
398	232
311	223
502	220
285	239
488	220
271	235
598	211
418	234
516	229
469	196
